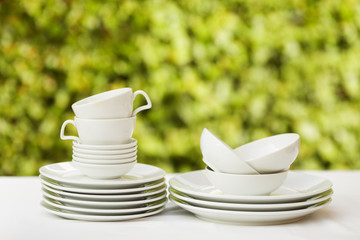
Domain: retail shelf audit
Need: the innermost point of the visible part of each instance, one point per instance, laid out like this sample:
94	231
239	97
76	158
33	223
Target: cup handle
147	106
62	134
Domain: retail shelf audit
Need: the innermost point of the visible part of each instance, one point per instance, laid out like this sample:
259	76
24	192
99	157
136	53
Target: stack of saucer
68	193
105	161
105	123
250	184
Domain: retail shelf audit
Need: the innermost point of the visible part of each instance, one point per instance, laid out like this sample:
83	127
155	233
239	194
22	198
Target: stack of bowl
256	168
104	147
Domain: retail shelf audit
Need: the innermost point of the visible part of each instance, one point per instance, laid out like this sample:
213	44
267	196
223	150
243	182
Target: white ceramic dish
297	187
106	157
131	143
100	131
98	218
102	204
104	171
78	150
220	157
96	191
117	103
96	211
66	173
251	207
246	184
101	161
271	154
249	217
106	197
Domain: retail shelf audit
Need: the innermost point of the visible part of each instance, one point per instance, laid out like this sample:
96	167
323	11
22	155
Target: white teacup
116	103
101	131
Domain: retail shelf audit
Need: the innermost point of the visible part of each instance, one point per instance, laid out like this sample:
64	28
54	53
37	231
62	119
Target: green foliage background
243	69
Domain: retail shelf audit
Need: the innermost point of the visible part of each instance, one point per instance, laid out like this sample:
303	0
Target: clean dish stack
105	124
251	184
104	182
68	193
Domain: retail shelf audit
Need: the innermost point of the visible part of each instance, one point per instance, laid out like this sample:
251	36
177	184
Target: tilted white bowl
246	184
104	171
271	154
220	157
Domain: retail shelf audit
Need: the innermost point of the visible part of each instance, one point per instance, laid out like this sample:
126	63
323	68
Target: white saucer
133	142
100	218
297	187
251	207
106	197
98	204
103	152
137	189
66	173
106	157
249	217
97	211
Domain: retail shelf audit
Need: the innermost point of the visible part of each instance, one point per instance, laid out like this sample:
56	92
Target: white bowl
131	143
106	157
245	184
271	154
103	152
103	161
220	157
104	171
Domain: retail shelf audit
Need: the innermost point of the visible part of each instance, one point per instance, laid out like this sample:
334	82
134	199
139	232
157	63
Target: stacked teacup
256	168
105	122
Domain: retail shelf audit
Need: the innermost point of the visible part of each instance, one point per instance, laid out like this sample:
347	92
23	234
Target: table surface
22	217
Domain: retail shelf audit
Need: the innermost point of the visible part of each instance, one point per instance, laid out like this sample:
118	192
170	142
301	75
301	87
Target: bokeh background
243	69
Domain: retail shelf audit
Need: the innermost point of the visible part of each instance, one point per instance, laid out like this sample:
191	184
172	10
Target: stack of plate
300	195
70	194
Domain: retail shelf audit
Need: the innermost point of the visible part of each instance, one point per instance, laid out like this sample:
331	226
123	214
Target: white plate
104	205
297	187
66	173
103	152
100	218
137	189
106	197
97	211
248	217
249	206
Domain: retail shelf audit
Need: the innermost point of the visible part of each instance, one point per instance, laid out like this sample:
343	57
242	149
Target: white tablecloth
21	217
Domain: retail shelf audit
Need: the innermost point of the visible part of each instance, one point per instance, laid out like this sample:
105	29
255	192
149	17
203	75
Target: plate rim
162	202
248	199
251	207
106	197
262	214
113	204
102	183
101	218
150	185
